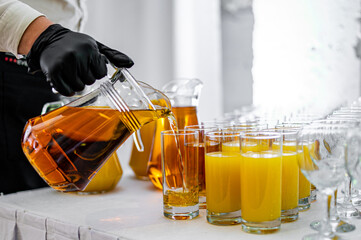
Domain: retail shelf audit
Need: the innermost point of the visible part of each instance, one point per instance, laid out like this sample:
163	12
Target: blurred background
281	55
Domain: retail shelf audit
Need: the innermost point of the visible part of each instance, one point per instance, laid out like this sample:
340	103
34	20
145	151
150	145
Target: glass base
304	204
356	197
231	218
261	227
340	226
348	211
289	215
181	213
356	202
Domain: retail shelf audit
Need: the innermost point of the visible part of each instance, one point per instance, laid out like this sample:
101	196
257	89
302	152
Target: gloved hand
71	60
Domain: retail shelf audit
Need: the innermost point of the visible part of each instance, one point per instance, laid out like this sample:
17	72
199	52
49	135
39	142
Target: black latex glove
71	60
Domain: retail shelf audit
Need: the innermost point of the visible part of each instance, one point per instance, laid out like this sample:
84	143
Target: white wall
197	50
304	53
237	54
141	29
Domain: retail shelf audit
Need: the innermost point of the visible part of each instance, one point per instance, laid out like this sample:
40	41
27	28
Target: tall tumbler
180	174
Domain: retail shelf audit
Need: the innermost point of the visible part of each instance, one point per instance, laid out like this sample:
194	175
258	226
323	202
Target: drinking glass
202	130
323	165
180	174
242	126
351	198
305	202
290	173
337	224
304	188
261	173
353	160
223	177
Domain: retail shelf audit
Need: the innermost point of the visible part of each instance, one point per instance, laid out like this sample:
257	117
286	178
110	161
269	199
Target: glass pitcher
183	95
106	178
69	145
111	172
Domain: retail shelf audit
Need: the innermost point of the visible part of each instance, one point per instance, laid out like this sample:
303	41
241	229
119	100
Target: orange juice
290	180
107	177
255	146
305	186
231	147
223	182
304	161
290	176
261	187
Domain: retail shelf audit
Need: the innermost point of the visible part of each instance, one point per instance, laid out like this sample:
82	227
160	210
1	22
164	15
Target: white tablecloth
132	211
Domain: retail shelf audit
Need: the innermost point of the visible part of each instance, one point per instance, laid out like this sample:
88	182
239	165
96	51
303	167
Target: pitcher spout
183	92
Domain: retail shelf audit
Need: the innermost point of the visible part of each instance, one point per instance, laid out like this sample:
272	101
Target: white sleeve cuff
13	22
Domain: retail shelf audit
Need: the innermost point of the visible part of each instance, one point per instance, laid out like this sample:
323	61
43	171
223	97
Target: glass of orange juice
304	186
261	181
290	173
223	180
304	197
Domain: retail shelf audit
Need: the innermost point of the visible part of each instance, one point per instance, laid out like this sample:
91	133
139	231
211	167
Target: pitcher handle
137	137
122	73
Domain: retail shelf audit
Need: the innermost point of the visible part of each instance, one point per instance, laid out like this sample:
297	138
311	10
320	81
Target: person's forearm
32	32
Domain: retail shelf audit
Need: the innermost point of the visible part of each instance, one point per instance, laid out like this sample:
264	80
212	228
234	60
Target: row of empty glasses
257	170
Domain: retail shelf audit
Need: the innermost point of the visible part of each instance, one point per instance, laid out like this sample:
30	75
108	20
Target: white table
132	211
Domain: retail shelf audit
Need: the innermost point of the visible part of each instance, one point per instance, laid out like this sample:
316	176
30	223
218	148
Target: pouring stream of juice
182	116
183	95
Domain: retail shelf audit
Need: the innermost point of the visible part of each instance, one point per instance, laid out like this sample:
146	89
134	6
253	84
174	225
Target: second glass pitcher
69	145
184	96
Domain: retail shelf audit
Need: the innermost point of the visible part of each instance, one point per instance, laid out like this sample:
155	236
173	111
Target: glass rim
316	127
260	135
237	126
221	133
291	124
199	127
180	132
283	131
306	116
340	122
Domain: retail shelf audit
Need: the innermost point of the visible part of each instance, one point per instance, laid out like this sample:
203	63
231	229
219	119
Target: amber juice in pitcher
68	145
